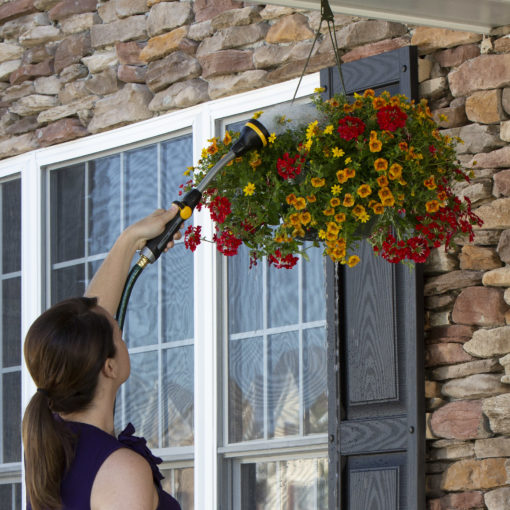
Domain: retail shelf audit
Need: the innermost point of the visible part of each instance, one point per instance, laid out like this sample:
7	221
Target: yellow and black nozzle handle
253	136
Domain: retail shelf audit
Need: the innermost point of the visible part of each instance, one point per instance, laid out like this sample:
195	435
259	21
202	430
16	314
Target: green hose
135	272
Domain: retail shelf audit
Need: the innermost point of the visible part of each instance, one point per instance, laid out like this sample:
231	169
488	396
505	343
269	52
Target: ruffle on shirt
139	445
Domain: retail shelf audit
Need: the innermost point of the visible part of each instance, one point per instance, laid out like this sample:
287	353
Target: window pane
283	295
299	484
180	484
6	496
11	226
67	213
245	302
177	294
104	203
283	384
17	489
315	389
67	282
314	287
246	390
141	396
11	322
141	183
176	156
178	391
12	416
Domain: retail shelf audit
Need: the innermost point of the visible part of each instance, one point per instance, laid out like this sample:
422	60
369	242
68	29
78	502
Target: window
89	204
10	365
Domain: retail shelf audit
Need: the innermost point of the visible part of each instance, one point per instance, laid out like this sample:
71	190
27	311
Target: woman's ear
110	368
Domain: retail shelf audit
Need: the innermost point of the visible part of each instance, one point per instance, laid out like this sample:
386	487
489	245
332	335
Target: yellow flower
375	145
295	220
364	217
373	135
328	212
378	103
227	139
388	201
328	129
317	182
353	261
341	176
402	146
395	171
369	93
432	206
331	236
348	160
381	164
213	148
256	115
348	200
385	193
358	210
336	189
305	218
319	90
312	129
382	181
337	153
378	208
311	199
272	138
204	153
188	170
300	203
340	217
333	227
350	173
364	190
322	234
255	160
334	202
430	183
249	189
290	199
308	144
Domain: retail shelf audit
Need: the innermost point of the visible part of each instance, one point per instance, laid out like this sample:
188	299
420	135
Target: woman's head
65	350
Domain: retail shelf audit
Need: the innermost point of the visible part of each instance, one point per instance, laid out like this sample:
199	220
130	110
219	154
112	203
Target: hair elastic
43	391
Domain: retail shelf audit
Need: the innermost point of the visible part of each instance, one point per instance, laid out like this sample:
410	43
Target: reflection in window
277	349
300	484
179	483
10	352
90	204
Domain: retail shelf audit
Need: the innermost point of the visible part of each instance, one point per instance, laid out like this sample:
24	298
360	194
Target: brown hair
65	350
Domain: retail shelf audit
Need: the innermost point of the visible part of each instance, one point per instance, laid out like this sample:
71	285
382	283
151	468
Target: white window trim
202	120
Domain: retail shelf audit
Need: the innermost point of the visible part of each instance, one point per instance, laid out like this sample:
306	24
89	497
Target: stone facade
72	68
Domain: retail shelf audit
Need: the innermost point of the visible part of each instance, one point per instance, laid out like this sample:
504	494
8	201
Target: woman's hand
151	226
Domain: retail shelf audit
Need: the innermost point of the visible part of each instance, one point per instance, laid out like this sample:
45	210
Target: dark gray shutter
375	349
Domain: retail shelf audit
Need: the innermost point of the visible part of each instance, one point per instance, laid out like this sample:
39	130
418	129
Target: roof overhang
478	16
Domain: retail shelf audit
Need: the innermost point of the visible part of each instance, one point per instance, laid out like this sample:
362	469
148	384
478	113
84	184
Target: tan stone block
480	366
242	82
433	88
200	31
162	45
451	450
495	215
205	10
498	499
481	73
479	258
275	11
432	389
67	110
79	22
501	183
289	29
475	387
167	16
493	447
451	281
16	8
128	53
35	103
438	302
17	145
237	17
451	116
429	39
487	343
445	354
31	71
127	29
17	91
479	138
39	35
233	38
10	51
180	95
485	107
497	277
125	8
506	296
378	47
496	409
71	50
100	61
476	474
131	74
178	66
424	69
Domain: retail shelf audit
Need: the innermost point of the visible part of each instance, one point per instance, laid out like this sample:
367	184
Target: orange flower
213	148
378	102
298	232
373	135
348	200
358	210
331	236
395	171
430	183
333	102
328	212
402	146
348	108
364	190
317	182
385	193
442	195
381	164
353	261
341	176
311	199
227	139
369	93
358	103
375	145
305	218
350	173
388	201
340	217
333	227
291	199
300	203
334	202
378	208
432	206
294	219
382	181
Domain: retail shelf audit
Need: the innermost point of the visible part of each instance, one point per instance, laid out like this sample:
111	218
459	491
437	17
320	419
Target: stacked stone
466	79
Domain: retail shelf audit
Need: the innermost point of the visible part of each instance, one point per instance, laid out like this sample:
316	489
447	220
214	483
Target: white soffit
478	16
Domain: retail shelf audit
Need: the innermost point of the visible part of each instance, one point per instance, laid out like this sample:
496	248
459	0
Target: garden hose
253	136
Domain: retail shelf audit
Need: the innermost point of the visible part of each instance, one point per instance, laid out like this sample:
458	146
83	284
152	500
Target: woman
78	360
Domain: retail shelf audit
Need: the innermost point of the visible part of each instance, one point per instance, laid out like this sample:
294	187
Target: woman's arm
109	280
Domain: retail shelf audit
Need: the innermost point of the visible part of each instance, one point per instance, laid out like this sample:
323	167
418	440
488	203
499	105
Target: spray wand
253	136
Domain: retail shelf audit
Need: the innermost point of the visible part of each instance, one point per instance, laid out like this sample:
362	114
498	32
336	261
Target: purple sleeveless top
93	448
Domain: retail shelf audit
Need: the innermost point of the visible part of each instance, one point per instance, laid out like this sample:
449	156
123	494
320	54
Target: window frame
203	121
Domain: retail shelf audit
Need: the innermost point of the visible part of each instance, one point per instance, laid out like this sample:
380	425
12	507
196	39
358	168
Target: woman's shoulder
124	481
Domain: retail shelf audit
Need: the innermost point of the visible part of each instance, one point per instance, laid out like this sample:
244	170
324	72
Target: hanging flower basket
375	168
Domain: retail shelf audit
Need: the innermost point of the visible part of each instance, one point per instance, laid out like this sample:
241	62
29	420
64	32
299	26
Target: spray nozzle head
253	136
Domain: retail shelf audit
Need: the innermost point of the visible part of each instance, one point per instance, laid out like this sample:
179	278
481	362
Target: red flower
227	243
286	166
192	237
220	209
287	262
350	127
391	118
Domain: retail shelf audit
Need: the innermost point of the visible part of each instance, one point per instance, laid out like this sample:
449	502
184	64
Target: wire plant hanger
328	17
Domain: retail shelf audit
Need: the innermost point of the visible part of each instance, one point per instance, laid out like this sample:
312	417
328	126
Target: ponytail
65	350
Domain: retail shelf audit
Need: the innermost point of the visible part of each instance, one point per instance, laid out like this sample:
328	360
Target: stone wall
75	67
